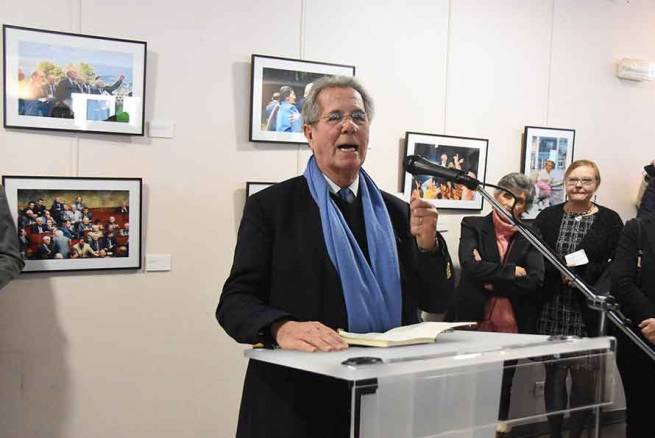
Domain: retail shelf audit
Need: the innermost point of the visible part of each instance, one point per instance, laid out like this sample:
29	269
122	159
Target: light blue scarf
371	292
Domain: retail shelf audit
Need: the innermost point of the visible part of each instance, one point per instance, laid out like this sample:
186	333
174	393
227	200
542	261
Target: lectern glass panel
453	388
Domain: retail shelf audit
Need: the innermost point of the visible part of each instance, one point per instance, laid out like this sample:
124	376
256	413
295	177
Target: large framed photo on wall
467	154
278	90
72	82
76	224
546	154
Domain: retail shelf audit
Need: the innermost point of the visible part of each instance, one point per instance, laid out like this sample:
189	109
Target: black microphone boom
417	165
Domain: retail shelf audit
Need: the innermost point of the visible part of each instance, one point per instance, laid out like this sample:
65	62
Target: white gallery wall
139	354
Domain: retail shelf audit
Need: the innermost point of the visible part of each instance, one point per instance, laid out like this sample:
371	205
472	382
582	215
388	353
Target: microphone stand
605	304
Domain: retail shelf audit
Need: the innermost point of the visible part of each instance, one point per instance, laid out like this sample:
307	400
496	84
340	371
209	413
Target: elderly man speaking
322	251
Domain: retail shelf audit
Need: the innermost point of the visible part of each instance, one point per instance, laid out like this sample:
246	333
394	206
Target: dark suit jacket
44	251
95	245
65	88
282	270
636	294
471	296
599	245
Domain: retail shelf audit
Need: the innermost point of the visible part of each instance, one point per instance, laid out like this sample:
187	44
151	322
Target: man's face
339	148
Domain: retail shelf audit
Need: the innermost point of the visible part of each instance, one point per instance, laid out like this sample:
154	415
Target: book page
423	330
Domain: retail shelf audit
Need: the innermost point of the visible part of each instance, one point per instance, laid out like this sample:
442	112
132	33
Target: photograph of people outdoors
72	79
62	228
547	152
451	152
279	87
55	81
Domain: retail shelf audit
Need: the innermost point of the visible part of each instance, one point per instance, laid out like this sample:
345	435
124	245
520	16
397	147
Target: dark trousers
638	376
506	389
583	389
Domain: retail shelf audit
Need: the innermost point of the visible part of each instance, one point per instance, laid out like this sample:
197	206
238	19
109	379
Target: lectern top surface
452	351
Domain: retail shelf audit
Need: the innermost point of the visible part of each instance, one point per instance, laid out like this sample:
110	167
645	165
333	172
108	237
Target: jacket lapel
488	243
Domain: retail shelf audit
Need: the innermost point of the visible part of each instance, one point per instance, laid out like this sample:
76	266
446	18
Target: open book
421	333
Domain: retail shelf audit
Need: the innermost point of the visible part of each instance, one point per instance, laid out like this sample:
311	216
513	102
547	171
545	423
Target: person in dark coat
501	272
323	251
589	231
646	198
633	285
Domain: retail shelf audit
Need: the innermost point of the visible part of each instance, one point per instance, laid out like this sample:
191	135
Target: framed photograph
278	90
71	82
546	154
254	187
76	224
464	153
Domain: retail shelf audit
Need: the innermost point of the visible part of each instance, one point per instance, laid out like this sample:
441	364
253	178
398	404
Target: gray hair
311	110
518	183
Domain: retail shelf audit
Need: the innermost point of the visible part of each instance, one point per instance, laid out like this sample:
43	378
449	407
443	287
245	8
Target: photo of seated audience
56	224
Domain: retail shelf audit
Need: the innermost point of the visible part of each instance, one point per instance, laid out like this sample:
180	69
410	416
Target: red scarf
499	315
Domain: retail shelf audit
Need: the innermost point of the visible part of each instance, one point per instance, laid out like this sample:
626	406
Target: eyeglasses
359	118
584	181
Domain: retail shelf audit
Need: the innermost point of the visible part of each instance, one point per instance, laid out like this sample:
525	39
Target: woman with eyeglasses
588	233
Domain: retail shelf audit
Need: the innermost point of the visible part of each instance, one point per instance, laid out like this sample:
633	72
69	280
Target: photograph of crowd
547	152
463	154
279	89
71	79
55	224
432	187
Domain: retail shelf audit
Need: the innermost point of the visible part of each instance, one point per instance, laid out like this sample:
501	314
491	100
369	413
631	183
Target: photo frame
466	153
545	155
272	79
72	82
253	187
76	224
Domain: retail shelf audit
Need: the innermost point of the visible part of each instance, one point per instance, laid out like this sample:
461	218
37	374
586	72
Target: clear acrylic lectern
452	388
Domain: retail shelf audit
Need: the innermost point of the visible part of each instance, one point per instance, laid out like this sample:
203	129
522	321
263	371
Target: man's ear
309	134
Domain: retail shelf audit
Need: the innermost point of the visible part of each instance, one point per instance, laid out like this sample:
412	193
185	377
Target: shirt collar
334	188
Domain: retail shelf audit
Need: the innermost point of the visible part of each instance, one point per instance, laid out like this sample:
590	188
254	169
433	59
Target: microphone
417	165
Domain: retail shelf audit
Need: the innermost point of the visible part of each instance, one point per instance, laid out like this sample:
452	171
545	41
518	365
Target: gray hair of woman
311	111
518	183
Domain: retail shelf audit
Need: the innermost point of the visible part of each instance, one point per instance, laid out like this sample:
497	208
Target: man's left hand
423	223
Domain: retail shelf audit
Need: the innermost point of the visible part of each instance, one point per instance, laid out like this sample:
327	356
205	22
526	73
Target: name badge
577	258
